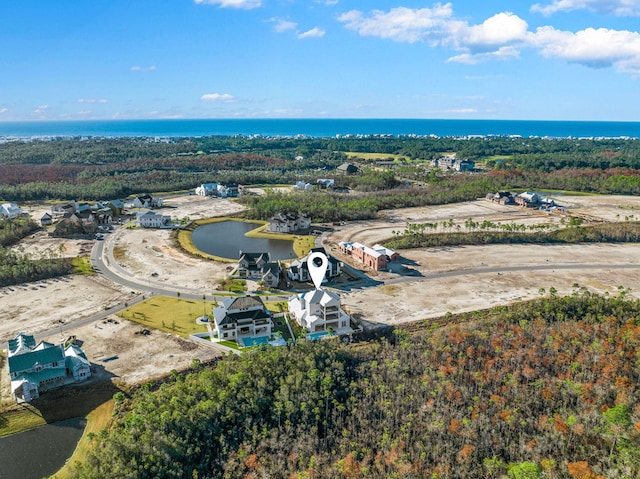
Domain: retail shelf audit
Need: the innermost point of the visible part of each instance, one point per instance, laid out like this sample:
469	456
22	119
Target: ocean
318	128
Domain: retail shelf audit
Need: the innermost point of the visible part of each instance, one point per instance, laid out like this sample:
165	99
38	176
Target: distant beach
321	128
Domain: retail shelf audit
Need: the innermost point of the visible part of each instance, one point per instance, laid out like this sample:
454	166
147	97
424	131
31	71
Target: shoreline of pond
300	244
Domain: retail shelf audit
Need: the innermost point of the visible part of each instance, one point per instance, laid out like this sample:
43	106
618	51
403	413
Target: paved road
104	263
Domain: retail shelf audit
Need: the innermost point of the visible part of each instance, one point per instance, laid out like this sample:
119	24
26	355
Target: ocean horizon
319	128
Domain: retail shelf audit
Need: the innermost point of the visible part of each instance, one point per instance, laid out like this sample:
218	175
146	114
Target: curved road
104	263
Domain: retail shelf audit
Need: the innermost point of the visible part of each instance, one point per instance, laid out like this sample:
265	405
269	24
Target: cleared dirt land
41	306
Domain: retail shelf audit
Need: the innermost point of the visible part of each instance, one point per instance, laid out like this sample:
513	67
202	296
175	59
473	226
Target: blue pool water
314	336
260	341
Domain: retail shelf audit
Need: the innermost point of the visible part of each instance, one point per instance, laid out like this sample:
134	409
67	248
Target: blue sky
129	59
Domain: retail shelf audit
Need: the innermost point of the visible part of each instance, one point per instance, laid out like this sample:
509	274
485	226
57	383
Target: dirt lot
41	306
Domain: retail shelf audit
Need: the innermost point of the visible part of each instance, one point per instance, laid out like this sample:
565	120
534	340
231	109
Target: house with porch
37	368
299	270
318	310
147	201
258	266
289	223
154	220
244	317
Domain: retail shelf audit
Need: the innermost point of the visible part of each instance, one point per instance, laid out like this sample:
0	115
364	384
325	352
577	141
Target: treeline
329	206
535	153
17	268
547	388
13	230
417	236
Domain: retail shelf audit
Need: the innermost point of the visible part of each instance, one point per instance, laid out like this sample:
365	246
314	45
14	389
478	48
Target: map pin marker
317	264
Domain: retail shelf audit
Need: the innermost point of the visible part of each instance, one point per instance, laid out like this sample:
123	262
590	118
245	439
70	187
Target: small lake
39	452
226	238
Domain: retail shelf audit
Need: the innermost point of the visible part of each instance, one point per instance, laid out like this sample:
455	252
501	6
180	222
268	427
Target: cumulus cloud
92	100
243	4
282	25
597	48
401	24
219	97
315	32
41	109
137	68
502	36
623	8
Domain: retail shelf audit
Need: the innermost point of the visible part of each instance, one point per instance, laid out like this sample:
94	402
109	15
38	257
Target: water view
39	452
227	238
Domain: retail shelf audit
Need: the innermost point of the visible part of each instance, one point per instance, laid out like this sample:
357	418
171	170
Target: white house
33	369
10	210
154	220
318	310
302	185
242	317
207	189
288	223
147	201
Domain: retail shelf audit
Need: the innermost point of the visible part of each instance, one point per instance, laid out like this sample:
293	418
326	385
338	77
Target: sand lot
41	306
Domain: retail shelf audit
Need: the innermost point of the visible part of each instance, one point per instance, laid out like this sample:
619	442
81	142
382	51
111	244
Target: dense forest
102	168
547	388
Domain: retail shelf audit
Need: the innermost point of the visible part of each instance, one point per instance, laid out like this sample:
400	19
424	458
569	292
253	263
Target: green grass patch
373	156
233	285
22	418
172	315
97	420
230	344
82	265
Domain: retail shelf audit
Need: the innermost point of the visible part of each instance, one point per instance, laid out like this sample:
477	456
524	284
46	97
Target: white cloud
282	25
503	28
3	110
623	8
221	97
597	48
315	32
137	68
503	36
462	110
41	109
244	4
401	24
92	100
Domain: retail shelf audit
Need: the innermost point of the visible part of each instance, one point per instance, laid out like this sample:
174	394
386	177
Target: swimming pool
314	336
259	341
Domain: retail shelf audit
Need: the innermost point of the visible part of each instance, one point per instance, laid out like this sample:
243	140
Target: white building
154	220
318	310
10	210
207	189
242	317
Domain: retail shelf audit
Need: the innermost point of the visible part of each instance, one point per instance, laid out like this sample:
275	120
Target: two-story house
244	317
318	310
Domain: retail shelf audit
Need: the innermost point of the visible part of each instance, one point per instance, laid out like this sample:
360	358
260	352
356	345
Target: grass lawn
97	420
82	265
21	418
373	156
172	315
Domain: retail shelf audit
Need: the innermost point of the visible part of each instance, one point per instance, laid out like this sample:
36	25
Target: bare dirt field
41	306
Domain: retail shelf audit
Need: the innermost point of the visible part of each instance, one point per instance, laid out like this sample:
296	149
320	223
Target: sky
465	59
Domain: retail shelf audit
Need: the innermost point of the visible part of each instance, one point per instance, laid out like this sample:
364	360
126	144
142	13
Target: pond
226	238
39	452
